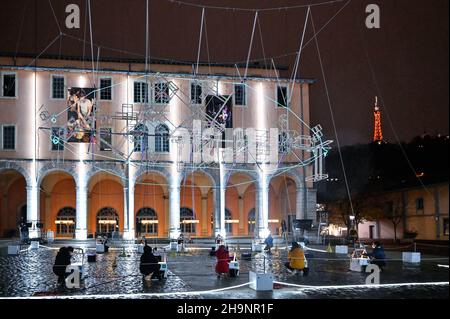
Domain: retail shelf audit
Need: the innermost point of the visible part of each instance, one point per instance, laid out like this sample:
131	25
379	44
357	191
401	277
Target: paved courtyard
191	275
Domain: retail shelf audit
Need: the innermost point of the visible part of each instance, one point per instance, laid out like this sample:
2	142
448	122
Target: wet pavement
30	273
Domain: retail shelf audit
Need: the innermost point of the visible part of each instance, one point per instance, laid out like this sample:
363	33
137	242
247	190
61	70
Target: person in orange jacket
296	257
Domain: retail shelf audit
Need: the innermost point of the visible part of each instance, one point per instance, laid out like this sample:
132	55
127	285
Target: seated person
62	260
149	264
269	243
223	259
296	257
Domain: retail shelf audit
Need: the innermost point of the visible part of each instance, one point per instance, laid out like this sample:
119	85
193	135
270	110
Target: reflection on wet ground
31	273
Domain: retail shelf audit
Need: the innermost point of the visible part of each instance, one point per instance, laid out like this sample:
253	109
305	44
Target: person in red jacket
223	258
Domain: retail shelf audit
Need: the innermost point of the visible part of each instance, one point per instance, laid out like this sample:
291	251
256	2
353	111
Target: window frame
145	139
162	142
111	87
245	95
3	137
16	85
420	208
148	84
277	105
56	75
154	84
190	92
59	144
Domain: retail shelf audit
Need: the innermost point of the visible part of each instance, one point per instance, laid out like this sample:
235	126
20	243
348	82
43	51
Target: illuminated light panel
144	222
232	221
64	222
111	222
190	221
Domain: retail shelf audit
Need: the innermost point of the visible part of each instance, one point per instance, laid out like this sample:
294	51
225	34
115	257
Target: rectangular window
106	89
9	137
140	92
58	87
9	85
57	139
162	93
419	204
196	93
239	95
282	96
105	139
446	227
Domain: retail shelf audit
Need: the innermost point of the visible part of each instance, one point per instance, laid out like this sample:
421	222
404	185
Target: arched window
147	222
187	220
140	139
162	138
251	222
65	221
228	223
107	221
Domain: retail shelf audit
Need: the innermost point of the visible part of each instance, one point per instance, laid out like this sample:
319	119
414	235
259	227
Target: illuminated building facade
127	176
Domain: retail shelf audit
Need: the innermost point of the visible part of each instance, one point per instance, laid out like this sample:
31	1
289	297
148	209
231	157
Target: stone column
242	221
125	213
48	214
263	208
217	213
81	219
222	194
166	216
33	209
204	219
174	217
300	212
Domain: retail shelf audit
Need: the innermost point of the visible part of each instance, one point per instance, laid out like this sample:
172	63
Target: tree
394	212
364	208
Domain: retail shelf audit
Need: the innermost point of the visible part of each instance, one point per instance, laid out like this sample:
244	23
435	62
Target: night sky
408	54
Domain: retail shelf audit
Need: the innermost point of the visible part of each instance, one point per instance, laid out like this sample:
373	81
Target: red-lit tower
377	131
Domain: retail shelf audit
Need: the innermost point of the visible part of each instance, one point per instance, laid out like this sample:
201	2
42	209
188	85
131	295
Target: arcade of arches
106	198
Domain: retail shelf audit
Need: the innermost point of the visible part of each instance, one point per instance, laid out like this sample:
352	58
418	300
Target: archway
283	202
151	191
187	221
58	191
197	194
105	190
66	222
13	199
147	222
240	198
107	221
